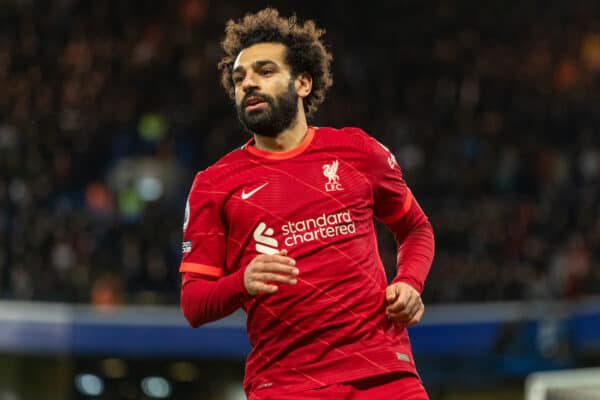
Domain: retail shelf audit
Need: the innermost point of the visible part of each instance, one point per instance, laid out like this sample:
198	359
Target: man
283	227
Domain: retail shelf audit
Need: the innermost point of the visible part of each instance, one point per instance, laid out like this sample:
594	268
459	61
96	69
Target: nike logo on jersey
246	196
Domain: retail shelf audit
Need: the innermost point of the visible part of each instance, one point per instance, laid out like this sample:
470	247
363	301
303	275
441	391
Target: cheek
238	96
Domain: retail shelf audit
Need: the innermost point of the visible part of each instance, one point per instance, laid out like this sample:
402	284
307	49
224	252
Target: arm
395	206
414	238
208	291
204	301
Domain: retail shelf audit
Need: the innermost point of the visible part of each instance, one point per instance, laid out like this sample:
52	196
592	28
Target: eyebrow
256	64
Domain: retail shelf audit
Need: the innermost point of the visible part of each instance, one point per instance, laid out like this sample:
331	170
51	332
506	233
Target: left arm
415	241
395	206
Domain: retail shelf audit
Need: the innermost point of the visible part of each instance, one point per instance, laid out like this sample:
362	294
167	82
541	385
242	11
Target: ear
303	84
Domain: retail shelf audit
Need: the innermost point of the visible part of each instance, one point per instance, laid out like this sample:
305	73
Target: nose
249	83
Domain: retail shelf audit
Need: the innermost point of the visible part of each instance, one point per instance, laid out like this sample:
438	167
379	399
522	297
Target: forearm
414	237
204	301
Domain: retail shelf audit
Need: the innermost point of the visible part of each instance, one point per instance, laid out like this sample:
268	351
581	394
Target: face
265	92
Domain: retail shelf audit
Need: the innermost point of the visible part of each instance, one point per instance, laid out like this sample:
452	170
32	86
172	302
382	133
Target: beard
270	120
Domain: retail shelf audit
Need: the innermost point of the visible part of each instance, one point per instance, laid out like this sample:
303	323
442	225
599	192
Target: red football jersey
318	202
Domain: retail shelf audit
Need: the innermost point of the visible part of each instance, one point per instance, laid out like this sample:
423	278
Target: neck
287	139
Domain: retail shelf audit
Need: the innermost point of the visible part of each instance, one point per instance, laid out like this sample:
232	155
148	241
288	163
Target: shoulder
366	152
346	133
215	172
354	137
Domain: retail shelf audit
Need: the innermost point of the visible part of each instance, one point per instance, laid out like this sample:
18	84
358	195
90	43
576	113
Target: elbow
429	228
192	320
424	223
190	312
421	228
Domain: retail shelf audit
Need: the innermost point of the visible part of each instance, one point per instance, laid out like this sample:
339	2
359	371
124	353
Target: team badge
330	171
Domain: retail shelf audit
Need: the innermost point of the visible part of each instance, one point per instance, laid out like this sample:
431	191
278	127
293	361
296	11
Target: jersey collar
282	155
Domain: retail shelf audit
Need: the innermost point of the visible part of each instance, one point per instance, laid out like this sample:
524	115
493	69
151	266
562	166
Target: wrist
412	282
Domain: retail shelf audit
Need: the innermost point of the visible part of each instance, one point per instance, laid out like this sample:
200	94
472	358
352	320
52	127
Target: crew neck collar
282	155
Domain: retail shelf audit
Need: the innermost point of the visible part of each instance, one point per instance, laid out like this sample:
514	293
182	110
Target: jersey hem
355	366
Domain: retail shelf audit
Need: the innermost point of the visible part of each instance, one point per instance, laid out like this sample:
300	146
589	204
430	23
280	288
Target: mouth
254	102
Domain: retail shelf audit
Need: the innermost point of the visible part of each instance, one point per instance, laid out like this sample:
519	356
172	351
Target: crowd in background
108	108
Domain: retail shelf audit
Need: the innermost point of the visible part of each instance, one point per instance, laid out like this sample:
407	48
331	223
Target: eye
237	77
266	72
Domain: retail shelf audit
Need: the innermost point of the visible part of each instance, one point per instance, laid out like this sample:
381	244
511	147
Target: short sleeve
203	244
392	197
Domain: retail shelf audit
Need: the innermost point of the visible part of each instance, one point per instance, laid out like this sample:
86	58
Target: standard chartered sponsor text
322	227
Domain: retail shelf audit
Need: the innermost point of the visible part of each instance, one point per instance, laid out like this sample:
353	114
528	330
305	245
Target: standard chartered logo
265	242
325	226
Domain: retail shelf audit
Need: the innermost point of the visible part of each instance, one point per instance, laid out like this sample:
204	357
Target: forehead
260	52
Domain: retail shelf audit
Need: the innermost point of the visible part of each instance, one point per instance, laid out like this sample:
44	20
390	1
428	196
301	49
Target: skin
262	68
404	304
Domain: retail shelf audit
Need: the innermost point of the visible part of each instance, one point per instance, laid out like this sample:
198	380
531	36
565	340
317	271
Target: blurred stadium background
108	108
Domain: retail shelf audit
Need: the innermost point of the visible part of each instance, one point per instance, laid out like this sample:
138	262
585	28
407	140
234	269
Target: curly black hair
305	53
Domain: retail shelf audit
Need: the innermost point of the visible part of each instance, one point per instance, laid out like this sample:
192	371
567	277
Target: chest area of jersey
285	203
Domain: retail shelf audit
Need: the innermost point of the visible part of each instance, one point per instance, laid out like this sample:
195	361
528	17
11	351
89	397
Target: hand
404	303
264	270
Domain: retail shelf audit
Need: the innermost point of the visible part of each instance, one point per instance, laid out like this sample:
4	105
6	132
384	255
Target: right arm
203	301
206	294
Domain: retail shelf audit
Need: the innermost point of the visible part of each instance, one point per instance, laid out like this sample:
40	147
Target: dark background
110	107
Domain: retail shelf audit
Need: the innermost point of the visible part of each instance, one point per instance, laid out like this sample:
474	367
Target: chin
255	114
258	118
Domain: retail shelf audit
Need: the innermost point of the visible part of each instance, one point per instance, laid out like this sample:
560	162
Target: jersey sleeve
392	197
203	231
395	206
